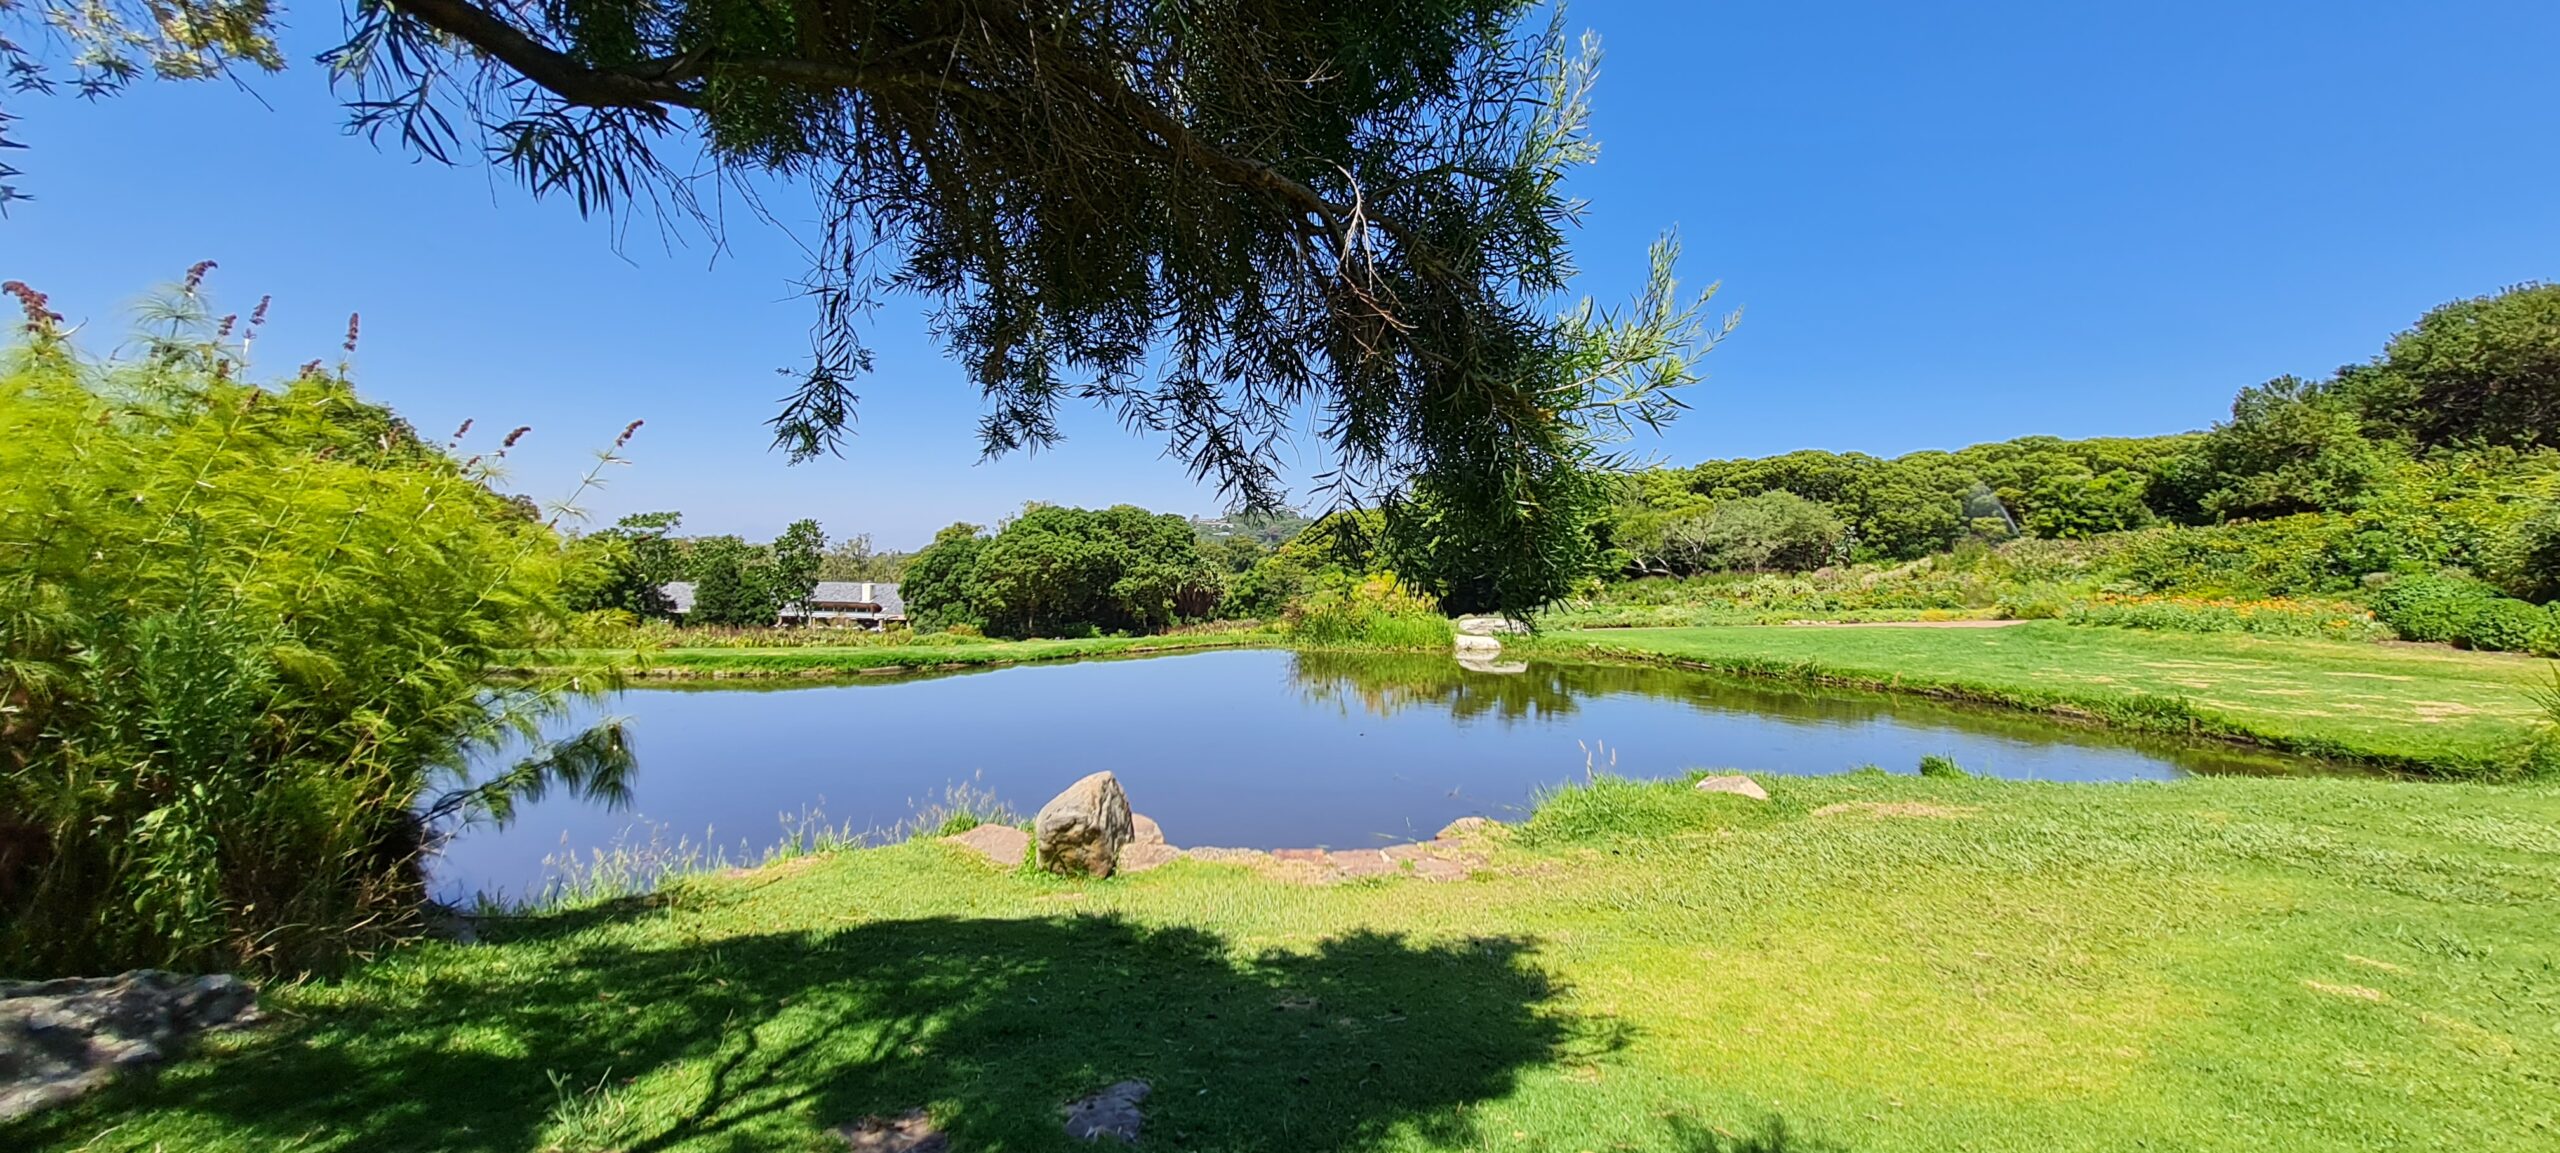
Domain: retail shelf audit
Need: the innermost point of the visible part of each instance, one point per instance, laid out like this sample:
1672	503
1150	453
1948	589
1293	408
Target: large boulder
1491	626
1082	830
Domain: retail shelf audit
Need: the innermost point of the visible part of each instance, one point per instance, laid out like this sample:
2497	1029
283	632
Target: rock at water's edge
1491	626
1734	783
1081	831
1474	644
1002	844
1465	827
1143	830
1141	856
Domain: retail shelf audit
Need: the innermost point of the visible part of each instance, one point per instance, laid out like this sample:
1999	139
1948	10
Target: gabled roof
883	593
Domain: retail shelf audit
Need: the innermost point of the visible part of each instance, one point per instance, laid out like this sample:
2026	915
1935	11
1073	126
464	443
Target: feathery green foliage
244	637
1221	221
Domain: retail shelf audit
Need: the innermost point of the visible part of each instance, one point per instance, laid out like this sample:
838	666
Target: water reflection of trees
1386	685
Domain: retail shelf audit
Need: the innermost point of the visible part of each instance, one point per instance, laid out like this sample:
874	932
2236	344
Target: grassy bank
824	661
1867	962
2418	708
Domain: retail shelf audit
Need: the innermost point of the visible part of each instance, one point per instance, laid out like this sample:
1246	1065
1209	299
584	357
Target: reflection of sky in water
1254	748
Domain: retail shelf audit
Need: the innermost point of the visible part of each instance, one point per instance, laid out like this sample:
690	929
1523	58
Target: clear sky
1945	223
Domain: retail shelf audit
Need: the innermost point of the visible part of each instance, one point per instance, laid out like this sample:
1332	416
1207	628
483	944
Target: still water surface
1256	749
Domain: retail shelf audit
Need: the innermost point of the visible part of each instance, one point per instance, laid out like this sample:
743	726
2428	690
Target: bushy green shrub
1934	765
2506	625
1377	611
2441	609
246	637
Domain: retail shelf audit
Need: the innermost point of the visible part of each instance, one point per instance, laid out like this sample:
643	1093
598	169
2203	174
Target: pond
1252	748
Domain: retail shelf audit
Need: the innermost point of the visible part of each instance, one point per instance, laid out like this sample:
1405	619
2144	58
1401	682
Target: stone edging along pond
1090	830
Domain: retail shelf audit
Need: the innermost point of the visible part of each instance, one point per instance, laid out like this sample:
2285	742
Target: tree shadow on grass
572	1038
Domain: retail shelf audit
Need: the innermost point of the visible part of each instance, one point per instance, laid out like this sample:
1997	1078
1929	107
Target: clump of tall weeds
245	633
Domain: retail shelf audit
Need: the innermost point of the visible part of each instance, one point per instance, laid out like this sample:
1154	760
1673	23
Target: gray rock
1082	830
1475	645
1491	626
1111	1113
1734	783
1466	827
1143	830
62	1038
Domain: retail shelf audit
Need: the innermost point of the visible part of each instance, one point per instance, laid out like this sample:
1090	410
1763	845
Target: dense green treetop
2483	370
1057	571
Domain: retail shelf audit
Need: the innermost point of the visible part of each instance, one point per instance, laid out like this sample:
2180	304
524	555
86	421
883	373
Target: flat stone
1465	827
62	1038
1001	844
1490	626
908	1132
1442	869
1475	645
1143	830
1111	1113
1140	856
1081	831
1227	856
1734	783
1365	863
1313	855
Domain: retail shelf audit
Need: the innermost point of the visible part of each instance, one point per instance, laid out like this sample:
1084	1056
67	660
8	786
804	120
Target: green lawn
821	660
1867	963
2413	706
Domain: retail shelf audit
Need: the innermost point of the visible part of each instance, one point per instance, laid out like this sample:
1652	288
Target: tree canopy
1058	571
2484	370
1214	219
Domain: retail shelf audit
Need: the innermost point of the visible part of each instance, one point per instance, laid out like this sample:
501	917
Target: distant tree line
2465	402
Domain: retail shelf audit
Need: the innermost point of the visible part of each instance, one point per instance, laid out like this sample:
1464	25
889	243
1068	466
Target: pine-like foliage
246	637
1231	223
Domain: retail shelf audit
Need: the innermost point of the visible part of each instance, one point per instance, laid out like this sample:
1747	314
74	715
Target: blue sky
1945	224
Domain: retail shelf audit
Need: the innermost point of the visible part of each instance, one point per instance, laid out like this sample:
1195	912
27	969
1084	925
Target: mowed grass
2414	706
1866	962
822	661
